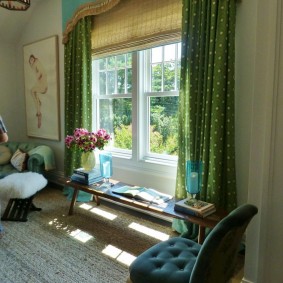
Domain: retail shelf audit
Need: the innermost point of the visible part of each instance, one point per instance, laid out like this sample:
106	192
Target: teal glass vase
193	177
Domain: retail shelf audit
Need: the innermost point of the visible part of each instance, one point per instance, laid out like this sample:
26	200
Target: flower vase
88	160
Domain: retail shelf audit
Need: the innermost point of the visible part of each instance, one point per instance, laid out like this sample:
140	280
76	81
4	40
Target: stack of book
86	177
195	207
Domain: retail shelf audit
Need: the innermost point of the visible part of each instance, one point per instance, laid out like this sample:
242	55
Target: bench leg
73	201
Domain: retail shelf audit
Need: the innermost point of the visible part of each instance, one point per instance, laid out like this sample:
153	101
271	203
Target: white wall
245	60
8	82
258	39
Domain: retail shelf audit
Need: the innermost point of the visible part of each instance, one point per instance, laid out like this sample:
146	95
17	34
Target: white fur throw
21	185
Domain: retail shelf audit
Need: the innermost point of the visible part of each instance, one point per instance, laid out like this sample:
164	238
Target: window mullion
176	67
144	125
135	107
162	69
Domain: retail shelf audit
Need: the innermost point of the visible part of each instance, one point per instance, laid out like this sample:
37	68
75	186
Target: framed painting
42	88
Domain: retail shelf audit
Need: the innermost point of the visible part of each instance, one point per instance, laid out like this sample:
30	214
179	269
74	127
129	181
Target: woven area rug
95	244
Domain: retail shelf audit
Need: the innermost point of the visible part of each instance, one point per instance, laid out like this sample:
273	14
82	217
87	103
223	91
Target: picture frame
42	88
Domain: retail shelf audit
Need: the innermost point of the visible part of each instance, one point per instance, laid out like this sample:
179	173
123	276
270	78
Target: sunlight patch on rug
119	255
148	231
73	232
103	213
98	211
81	235
86	206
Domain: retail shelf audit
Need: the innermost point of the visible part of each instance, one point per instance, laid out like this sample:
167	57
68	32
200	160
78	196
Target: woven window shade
135	25
89	9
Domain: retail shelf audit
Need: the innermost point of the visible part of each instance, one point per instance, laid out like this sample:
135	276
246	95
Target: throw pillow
19	160
5	155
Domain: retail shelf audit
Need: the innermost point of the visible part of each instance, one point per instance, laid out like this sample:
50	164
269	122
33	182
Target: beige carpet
93	245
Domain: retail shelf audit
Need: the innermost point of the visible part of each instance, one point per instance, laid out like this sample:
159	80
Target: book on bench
86	177
195	207
144	194
85	181
94	173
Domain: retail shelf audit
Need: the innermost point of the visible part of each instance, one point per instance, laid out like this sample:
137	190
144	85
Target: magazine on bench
141	193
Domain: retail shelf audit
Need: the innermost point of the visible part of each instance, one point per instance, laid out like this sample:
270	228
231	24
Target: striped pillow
19	160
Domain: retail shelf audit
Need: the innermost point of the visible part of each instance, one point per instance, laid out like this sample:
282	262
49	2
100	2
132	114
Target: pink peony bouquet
87	141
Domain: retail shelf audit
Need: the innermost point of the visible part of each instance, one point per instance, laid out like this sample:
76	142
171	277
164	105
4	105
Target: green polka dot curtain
206	119
78	91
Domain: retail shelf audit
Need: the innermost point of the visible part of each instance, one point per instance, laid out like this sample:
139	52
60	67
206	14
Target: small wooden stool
20	189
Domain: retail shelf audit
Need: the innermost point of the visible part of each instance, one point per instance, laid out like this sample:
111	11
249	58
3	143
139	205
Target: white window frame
139	157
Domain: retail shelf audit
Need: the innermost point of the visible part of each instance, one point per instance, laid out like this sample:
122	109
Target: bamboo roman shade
135	25
88	9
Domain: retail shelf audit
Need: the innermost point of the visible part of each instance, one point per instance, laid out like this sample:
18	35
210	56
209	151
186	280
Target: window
136	100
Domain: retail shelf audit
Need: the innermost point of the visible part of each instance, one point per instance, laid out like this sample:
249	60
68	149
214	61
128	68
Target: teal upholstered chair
180	260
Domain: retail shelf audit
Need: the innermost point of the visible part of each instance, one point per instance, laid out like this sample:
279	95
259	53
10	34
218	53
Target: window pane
163	130
129	80
102	83
169	76
156	55
111	82
156	77
121	81
115	115
121	61
111	62
129	60
102	64
169	52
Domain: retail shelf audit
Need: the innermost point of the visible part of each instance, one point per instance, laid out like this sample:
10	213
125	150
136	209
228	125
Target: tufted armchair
180	260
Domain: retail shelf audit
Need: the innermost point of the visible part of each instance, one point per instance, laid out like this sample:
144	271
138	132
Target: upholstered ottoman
20	189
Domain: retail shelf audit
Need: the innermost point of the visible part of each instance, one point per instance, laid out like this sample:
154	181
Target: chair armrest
35	163
47	154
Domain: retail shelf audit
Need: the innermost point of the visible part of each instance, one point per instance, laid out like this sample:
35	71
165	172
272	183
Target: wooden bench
165	209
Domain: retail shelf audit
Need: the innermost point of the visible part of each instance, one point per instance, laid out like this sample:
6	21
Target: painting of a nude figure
41	88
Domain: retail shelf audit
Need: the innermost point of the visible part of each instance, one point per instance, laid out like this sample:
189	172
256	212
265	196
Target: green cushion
23	146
